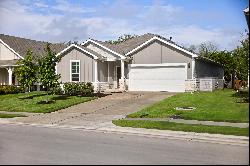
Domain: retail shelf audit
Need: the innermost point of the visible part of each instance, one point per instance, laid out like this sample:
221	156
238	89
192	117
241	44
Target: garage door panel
169	78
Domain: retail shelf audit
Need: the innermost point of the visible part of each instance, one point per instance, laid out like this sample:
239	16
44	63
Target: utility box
210	84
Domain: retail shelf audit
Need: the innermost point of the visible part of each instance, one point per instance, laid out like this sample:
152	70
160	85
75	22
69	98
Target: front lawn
34	102
161	125
221	105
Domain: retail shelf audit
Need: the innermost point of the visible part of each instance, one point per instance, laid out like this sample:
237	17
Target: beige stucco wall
86	66
158	52
3	76
6	54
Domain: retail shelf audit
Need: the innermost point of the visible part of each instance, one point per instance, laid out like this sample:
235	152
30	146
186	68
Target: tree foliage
226	59
235	62
207	48
26	71
241	56
122	38
47	69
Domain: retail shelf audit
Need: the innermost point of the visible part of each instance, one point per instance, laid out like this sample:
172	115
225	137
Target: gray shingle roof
21	45
128	45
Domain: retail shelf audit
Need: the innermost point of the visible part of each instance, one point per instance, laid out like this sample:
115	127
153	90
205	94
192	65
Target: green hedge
81	88
10	89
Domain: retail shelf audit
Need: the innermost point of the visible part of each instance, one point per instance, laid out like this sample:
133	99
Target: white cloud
166	20
65	6
41	5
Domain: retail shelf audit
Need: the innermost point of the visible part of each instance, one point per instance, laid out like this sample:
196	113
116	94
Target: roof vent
170	38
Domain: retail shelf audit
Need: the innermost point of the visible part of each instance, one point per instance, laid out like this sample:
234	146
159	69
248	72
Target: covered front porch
7	76
110	75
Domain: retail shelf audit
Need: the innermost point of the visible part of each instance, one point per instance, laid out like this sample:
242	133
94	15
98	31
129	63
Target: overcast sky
186	21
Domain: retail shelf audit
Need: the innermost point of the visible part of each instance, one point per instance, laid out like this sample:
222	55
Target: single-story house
145	63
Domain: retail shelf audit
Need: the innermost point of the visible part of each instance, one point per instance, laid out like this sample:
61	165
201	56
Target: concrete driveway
98	113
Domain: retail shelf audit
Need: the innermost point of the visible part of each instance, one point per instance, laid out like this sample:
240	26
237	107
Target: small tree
241	56
26	71
122	39
47	69
226	59
207	48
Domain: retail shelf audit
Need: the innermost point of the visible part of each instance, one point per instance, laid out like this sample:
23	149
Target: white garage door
157	77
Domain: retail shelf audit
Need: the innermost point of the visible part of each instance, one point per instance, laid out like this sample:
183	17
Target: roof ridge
25	38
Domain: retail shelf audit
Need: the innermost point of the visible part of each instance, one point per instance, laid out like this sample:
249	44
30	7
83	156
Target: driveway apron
98	113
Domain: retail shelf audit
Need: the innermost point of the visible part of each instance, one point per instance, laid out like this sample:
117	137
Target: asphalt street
40	145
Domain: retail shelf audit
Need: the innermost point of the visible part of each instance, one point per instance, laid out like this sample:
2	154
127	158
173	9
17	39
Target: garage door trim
175	65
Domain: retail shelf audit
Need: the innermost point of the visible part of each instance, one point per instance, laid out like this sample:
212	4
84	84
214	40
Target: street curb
153	133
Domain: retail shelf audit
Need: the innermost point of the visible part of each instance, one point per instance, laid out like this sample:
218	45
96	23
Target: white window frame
75	73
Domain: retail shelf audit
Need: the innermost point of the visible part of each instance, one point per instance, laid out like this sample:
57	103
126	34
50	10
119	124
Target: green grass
11	115
182	127
34	102
220	105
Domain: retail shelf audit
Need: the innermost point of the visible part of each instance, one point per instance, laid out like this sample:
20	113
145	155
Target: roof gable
103	46
84	49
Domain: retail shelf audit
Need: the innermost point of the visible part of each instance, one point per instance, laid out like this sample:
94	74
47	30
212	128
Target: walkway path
212	123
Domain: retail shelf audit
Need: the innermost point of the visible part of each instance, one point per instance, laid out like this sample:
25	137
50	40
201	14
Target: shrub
57	90
10	89
84	89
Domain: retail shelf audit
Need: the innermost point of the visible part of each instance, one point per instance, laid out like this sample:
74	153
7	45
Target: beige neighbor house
145	63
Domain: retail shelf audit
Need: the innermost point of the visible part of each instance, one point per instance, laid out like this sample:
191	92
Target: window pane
75	79
75	71
75	75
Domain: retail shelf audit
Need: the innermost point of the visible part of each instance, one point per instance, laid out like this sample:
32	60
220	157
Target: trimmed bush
81	88
57	90
10	89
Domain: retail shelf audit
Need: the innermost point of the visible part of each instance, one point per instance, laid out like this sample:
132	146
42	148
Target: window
75	70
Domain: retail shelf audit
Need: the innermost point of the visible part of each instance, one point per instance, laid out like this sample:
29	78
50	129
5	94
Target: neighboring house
145	63
246	13
14	48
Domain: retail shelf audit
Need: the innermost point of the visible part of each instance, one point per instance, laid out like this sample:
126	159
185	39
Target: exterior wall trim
160	64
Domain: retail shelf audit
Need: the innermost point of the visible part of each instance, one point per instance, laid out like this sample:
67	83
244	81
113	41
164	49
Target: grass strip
11	115
226	130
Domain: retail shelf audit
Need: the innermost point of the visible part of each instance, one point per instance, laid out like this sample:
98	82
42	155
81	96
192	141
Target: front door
118	75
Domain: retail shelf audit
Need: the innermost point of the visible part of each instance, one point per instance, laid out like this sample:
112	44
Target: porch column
122	70
96	71
96	84
122	84
10	71
108	71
